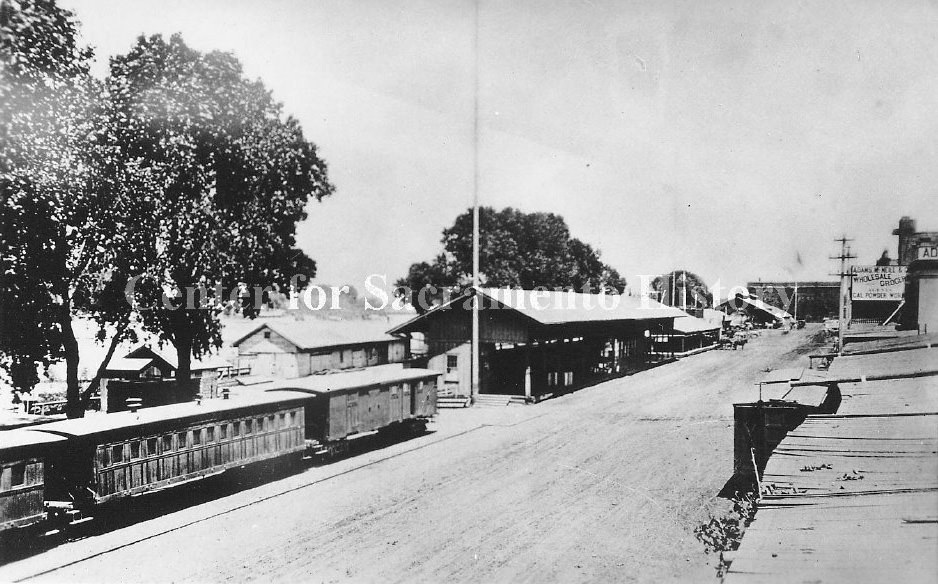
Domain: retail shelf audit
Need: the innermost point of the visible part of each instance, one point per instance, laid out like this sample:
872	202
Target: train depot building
534	344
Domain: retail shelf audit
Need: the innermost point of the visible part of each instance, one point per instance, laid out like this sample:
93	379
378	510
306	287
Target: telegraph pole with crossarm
844	289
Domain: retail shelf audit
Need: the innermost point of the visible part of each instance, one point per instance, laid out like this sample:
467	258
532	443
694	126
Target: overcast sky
727	138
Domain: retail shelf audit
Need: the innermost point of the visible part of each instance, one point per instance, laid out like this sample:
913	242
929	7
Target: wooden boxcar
23	456
375	398
129	453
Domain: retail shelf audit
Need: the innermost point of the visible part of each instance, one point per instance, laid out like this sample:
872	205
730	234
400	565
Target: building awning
692	324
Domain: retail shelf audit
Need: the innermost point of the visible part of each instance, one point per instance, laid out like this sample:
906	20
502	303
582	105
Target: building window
117	453
167	443
260	425
452	363
247	427
210	434
224	431
135	449
266	334
181	440
196	437
17	474
568	378
151	446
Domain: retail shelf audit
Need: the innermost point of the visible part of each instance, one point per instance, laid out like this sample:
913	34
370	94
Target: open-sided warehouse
539	343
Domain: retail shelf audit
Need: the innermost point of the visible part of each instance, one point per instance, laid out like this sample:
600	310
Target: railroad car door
396	410
408	401
354	419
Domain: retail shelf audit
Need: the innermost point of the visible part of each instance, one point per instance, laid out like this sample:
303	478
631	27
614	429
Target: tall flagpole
476	361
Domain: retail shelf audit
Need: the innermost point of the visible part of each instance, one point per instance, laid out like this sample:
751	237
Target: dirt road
603	485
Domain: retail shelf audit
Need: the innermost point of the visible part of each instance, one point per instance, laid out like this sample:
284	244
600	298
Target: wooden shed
539	343
301	348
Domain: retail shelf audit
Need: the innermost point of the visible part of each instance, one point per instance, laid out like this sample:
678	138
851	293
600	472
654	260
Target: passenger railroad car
128	453
23	456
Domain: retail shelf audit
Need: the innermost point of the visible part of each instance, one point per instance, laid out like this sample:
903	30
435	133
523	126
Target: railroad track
20	571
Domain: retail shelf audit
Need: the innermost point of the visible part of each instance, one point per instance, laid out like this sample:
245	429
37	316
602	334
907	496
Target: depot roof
548	308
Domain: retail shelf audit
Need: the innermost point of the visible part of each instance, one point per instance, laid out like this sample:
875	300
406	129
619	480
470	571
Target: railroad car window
151	446
135	449
224	431
293	418
247	426
236	429
283	420
167	443
17	474
181	440
393	391
117	453
271	422
260	424
211	434
105	459
196	437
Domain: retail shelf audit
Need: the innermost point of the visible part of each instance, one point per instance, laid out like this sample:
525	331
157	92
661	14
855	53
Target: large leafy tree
61	236
516	250
682	288
234	176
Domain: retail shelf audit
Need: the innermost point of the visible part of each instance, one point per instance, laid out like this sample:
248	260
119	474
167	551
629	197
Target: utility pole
476	360
796	302
684	291
843	257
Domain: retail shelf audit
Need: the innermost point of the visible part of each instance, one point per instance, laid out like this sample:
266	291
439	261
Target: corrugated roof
910	363
842	496
549	307
343	380
910	395
555	308
853	496
899	341
319	333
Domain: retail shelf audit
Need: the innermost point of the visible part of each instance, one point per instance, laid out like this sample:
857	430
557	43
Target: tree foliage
177	172
516	250
234	178
680	287
54	227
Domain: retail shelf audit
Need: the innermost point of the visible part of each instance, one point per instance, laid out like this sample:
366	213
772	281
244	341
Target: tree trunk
96	381
73	406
